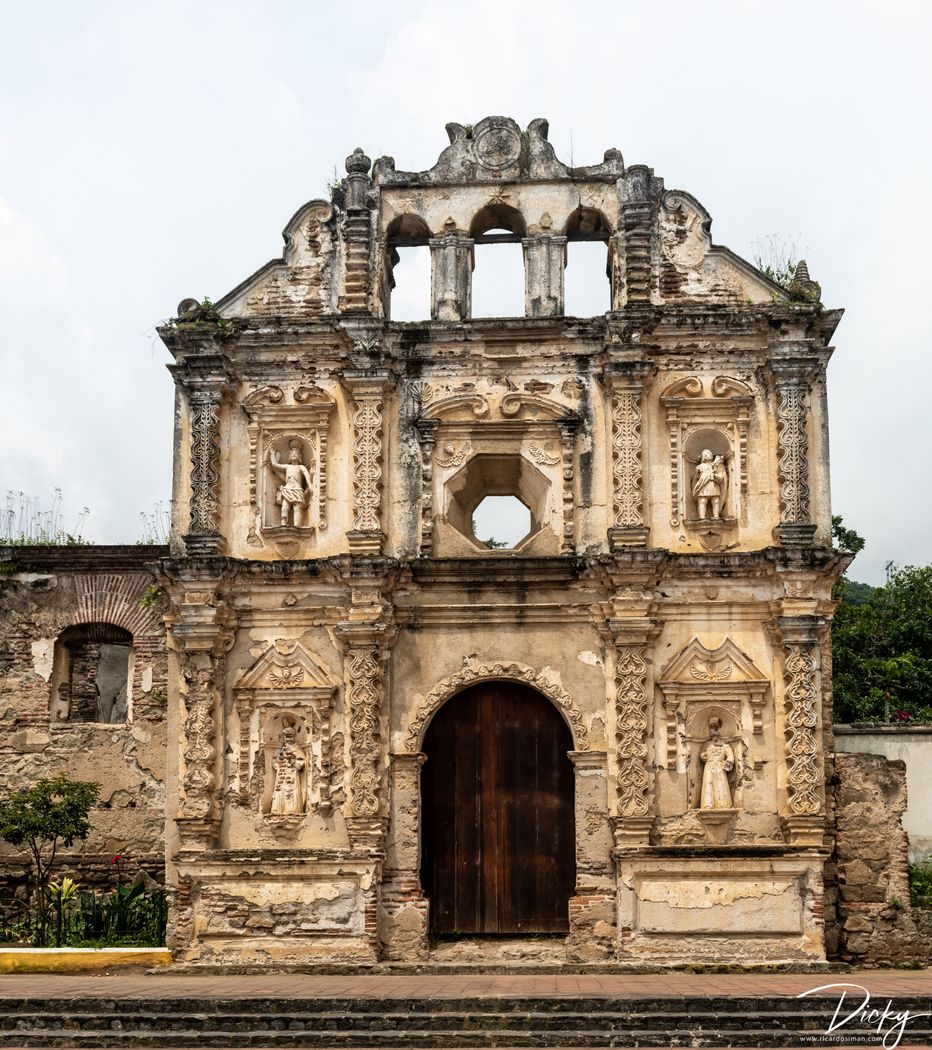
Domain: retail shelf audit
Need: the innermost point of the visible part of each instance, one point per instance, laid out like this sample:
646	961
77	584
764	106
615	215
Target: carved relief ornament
285	702
725	678
713	419
287	431
544	682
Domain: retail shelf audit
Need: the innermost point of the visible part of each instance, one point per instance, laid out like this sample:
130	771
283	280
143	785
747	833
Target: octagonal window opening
501	522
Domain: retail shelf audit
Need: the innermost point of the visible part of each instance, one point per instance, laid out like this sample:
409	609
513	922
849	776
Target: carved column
356	235
365	649
451	262
629	628
427	432
367	388
625	382
799	637
792	382
568	428
201	636
403	913
203	536
637	228
544	268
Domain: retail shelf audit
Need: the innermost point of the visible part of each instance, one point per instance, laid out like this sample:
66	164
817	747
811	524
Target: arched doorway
498	847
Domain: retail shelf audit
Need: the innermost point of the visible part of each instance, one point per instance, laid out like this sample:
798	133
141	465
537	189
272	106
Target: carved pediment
286	666
698	665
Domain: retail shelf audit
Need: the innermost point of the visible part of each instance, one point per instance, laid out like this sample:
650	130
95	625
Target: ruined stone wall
46	591
876	925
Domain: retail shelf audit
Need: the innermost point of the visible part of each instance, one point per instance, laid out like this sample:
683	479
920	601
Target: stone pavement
888	983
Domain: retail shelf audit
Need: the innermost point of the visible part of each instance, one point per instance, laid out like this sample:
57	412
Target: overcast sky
153	151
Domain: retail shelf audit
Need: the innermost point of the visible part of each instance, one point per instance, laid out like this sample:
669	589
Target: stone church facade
329	598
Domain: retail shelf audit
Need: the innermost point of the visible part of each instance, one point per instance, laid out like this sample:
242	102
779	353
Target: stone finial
802	287
357	163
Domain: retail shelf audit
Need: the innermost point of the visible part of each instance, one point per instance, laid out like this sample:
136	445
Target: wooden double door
498	846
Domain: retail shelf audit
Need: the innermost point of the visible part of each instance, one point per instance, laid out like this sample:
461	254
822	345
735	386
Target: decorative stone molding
354	297
568	430
368	391
718	420
545	682
285	683
793	380
427	435
626	384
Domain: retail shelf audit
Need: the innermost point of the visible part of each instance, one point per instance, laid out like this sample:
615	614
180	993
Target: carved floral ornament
545	682
708	431
284	702
288	437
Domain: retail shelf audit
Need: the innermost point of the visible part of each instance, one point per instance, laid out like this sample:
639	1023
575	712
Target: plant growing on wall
37	820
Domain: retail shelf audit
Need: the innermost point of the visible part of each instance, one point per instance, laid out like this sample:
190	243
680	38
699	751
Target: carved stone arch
113	599
545	682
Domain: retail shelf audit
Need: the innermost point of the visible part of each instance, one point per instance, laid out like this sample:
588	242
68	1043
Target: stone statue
718	761
294	495
709	485
288	795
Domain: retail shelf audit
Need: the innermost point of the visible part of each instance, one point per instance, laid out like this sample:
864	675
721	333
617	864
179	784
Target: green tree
37	819
882	650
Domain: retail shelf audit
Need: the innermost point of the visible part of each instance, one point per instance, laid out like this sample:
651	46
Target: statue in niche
709	485
294	493
288	794
718	760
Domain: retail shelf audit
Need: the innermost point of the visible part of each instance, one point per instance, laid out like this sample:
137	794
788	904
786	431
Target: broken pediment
286	665
697	665
494	149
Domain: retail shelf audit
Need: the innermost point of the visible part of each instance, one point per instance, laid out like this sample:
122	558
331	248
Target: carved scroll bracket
368	392
625	382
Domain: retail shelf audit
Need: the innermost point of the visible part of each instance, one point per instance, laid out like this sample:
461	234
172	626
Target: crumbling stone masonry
50	719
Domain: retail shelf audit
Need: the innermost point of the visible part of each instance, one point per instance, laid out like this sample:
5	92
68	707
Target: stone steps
428	1024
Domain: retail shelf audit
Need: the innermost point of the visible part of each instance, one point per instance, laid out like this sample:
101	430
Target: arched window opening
587	287
407	270
501	522
498	285
91	674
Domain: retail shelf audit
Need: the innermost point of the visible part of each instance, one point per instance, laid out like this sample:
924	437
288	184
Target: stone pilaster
403	915
203	536
356	236
637	221
625	382
427	434
568	428
544	268
629	628
792	386
451	262
200	634
368	391
799	638
592	906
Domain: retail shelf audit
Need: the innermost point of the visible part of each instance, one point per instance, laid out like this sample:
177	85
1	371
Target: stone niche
287	438
707	424
284	703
